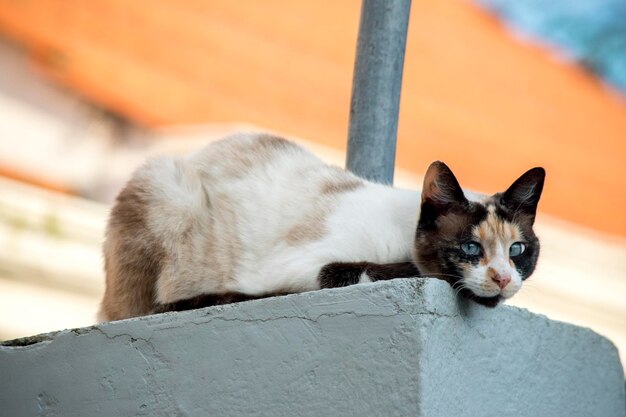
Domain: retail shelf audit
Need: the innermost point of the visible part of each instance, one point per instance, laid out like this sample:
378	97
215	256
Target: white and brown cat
255	215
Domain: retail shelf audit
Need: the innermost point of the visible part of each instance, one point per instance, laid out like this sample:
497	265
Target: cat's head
483	245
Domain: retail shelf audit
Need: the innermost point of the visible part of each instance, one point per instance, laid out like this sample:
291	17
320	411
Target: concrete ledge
403	347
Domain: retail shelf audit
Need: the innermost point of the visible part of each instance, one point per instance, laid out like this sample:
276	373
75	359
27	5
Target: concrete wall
402	347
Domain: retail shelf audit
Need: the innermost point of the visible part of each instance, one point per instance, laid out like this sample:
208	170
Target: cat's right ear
441	192
441	188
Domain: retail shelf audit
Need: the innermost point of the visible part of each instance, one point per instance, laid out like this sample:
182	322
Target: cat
255	215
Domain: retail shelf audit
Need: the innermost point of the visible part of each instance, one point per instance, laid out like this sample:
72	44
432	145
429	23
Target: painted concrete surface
403	347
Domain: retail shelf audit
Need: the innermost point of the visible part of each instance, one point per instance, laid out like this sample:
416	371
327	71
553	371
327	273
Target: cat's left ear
523	196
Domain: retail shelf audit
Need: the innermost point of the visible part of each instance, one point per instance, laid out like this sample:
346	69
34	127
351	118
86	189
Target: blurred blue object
590	32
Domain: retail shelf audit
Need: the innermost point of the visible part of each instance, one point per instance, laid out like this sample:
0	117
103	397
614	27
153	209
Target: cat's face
484	246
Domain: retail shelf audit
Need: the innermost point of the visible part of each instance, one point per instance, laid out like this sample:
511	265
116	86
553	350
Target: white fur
374	223
203	193
364	278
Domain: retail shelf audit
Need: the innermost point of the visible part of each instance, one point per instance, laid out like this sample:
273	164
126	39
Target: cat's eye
517	249
471	248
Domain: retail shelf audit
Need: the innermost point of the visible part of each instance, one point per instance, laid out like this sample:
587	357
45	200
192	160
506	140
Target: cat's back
253	175
245	167
246	156
269	183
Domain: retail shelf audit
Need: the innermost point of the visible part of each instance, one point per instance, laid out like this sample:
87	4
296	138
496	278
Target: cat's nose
501	279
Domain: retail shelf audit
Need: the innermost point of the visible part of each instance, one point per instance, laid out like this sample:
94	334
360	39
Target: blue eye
471	248
517	249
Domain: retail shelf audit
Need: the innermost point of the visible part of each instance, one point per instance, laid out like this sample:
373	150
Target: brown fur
341	186
312	227
237	160
448	228
137	254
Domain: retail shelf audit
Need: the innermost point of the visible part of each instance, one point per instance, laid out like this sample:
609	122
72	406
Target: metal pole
376	89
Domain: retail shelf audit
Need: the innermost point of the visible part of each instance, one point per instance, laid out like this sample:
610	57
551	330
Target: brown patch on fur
264	145
449	225
311	228
524	224
236	158
342	185
481	234
133	258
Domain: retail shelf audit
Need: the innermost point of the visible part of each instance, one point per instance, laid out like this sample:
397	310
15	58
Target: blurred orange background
472	96
488	104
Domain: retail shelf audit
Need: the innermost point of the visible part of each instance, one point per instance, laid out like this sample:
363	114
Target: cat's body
255	215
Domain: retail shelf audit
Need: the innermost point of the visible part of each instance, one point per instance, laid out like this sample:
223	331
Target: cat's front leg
341	274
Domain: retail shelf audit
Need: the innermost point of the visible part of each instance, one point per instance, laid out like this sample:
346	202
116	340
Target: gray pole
376	89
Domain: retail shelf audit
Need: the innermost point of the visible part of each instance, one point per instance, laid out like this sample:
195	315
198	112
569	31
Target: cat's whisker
469	286
458	290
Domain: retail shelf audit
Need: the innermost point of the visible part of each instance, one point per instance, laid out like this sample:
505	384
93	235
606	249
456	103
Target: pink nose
501	279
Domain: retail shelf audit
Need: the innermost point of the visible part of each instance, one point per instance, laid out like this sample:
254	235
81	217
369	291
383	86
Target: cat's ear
523	196
441	188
